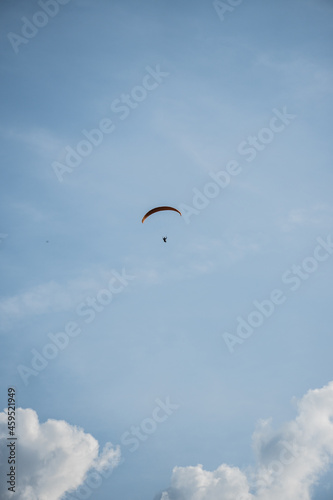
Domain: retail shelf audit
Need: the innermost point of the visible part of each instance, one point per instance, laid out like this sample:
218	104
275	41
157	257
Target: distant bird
164	239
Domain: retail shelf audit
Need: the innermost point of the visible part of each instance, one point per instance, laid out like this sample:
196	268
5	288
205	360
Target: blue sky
112	108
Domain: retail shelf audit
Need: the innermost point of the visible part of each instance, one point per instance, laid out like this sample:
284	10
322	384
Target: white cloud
52	458
290	461
194	483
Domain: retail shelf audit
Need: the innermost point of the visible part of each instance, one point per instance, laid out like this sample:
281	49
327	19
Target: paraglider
159	209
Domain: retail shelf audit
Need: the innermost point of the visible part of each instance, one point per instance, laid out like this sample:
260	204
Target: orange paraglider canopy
159	209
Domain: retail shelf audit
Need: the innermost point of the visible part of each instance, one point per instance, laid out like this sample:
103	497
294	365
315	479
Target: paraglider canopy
159	209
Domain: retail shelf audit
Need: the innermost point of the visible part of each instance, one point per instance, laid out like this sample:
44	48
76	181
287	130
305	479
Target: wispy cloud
52	296
314	76
40	140
199	258
318	215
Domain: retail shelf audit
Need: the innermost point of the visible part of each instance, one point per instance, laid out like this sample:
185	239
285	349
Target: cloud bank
52	458
290	462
